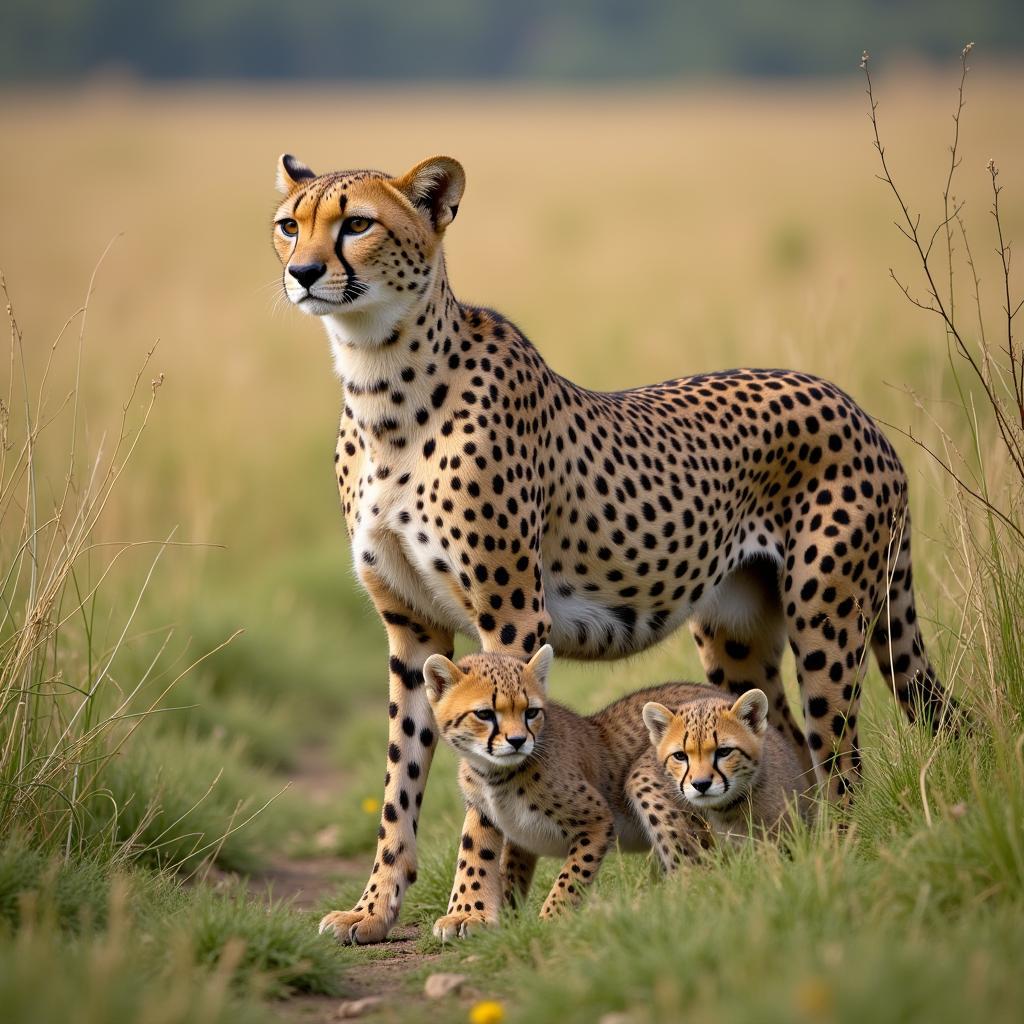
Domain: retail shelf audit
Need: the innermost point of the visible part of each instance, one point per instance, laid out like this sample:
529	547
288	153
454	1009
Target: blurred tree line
546	40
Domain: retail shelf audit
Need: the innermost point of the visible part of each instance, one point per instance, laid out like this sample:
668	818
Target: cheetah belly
595	619
532	830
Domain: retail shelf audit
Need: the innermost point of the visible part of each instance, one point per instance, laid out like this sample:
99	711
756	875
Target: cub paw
355	927
460	926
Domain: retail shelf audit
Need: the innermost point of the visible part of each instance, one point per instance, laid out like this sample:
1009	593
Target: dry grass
634	236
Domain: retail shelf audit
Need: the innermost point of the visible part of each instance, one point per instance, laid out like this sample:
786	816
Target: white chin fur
509	760
312	306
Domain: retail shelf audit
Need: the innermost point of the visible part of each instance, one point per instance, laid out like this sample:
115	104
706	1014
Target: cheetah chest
524	822
402	547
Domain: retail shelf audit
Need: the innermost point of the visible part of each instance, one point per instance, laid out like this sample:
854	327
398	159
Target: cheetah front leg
517	867
476	896
675	835
411	741
587	850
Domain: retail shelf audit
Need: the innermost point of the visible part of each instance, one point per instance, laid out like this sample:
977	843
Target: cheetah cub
727	765
539	780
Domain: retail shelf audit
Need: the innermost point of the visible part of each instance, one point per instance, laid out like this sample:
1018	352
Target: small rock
327	838
616	1018
440	985
356	1007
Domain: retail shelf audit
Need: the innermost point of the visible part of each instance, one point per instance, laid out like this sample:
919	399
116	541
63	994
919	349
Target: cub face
711	750
489	707
362	242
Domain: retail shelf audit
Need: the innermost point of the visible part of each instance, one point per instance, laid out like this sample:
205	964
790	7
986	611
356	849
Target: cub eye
356	225
485	715
288	227
680	755
724	751
532	713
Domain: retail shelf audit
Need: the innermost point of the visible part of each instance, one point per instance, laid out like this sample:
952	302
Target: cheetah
485	494
724	762
539	779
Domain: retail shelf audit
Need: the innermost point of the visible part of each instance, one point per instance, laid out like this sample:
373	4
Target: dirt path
378	971
384	974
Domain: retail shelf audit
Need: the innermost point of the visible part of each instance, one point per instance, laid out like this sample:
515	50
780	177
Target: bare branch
1011	430
986	503
1004	258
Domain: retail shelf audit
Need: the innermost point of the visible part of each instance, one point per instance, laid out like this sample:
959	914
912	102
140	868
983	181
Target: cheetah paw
460	926
355	927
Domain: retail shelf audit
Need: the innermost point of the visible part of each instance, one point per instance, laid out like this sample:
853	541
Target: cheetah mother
485	494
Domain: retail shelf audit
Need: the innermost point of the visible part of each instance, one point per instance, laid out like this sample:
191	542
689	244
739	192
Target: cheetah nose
307	274
702	785
516	741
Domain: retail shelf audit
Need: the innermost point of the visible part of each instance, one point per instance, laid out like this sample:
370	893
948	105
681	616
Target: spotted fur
724	763
539	779
485	494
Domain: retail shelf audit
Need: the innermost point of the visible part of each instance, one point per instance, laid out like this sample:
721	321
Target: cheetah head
489	707
710	749
361	248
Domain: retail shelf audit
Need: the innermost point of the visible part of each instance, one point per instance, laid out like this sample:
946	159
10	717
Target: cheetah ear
438	674
752	710
656	718
435	186
291	173
540	665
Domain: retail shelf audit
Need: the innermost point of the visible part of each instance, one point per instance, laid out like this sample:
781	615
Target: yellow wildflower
814	998
487	1012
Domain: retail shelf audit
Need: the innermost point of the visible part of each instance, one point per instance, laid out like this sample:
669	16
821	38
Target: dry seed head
865	59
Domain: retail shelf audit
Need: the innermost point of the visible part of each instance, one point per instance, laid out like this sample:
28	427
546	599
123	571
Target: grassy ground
635	237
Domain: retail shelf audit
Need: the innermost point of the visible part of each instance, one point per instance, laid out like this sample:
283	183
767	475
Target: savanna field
181	801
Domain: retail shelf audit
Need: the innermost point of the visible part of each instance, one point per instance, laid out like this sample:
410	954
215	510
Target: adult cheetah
484	493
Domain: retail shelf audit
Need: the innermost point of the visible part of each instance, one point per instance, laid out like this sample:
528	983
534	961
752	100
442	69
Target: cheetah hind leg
676	836
898	647
740	635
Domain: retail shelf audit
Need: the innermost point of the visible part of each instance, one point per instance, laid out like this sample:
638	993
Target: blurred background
456	40
655	189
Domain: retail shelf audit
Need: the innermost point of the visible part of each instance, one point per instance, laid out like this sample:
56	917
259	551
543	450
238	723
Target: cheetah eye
356	225
485	715
723	752
288	227
532	713
680	755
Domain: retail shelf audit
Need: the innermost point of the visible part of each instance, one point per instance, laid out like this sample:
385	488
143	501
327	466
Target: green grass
178	801
139	946
282	954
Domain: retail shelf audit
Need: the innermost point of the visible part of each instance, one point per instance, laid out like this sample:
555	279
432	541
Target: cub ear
291	173
752	710
540	665
435	186
656	718
438	674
